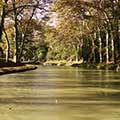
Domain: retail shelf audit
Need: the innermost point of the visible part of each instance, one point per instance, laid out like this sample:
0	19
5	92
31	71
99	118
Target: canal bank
14	69
81	64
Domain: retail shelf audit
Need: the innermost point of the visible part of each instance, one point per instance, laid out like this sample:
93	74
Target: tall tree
105	17
19	11
3	9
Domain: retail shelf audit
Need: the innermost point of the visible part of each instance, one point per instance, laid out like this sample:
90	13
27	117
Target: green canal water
60	93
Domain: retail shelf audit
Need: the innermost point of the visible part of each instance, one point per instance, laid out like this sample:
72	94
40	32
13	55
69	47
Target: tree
17	12
100	19
2	20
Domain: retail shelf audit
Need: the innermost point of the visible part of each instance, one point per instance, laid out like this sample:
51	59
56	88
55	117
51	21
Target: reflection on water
59	93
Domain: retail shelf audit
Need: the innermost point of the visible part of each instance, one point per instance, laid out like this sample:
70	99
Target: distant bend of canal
60	93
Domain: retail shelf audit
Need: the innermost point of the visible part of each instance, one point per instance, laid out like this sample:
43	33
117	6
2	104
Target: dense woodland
71	30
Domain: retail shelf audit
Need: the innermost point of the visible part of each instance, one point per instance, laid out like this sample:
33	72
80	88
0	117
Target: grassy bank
62	63
83	65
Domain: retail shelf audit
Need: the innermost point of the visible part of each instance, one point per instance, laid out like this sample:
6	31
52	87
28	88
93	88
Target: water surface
60	93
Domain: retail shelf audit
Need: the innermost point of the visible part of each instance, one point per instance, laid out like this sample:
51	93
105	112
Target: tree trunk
93	44
2	19
112	48
100	46
107	47
76	53
16	33
8	47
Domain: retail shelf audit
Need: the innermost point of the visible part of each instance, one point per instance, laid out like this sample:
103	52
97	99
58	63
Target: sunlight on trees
40	30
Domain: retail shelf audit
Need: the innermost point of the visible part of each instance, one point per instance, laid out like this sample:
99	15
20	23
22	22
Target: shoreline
110	66
80	64
15	69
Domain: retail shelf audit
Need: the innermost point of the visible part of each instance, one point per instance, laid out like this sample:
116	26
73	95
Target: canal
60	93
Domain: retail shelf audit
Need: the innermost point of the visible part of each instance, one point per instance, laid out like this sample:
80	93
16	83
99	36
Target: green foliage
41	52
79	33
77	23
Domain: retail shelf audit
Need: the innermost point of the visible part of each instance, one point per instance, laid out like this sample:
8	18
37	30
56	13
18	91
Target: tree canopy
40	30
